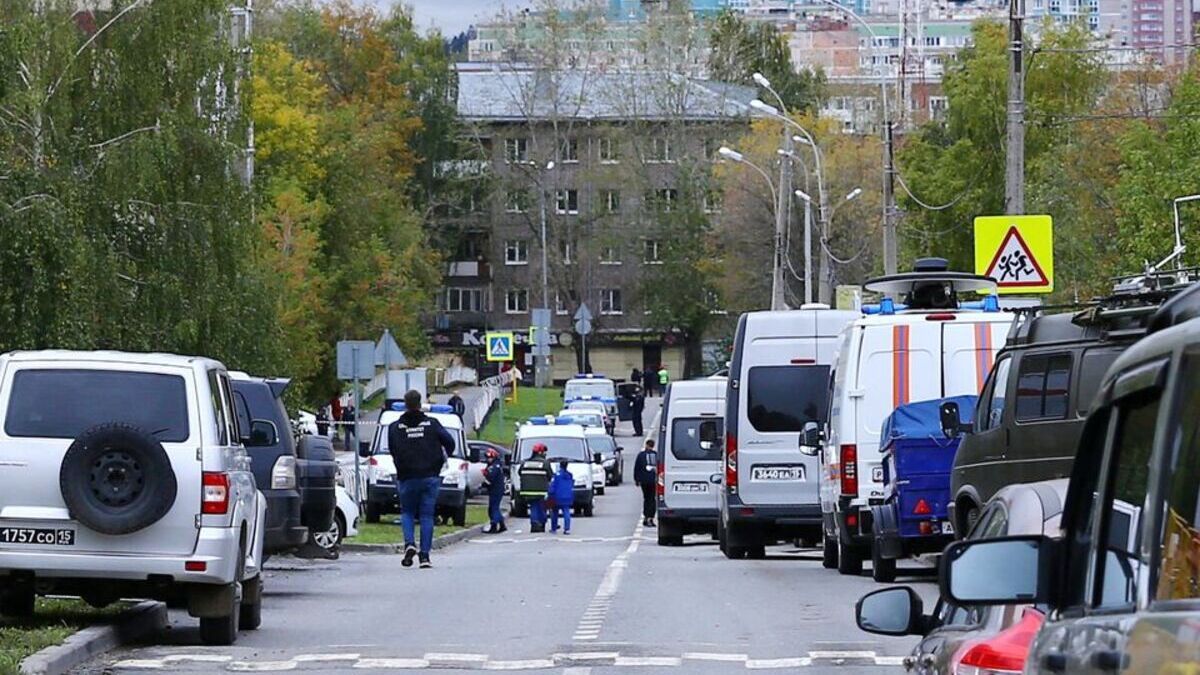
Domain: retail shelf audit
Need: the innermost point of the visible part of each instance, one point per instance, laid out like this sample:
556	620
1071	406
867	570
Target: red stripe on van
900	375
983	353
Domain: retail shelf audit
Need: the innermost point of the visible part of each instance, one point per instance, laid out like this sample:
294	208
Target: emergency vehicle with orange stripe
934	334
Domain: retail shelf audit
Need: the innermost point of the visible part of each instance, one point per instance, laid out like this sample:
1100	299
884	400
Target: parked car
587	403
1122	582
345	524
921	342
458	481
124	475
299	488
779	381
689	459
955	638
612	457
1041	387
564	440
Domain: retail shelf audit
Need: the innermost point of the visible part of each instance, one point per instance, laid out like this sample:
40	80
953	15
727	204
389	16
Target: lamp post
540	366
782	207
853	194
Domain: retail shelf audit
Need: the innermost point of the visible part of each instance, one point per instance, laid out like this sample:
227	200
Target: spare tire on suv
116	478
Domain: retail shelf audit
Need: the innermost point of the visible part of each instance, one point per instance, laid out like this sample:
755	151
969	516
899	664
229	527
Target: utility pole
890	248
541	369
783	199
1014	169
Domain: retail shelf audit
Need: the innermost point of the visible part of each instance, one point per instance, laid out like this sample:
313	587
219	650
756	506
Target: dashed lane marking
597	611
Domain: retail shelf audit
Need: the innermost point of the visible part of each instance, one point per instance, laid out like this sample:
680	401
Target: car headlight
450	479
611	461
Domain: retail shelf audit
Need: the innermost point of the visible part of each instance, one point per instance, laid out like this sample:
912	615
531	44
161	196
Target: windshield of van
785	398
572	449
460	442
601	389
65	403
685	439
605	445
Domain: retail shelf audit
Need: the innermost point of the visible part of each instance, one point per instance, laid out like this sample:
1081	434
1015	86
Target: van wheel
250	611
17	603
829	553
373	512
721	536
220	631
883	570
460	515
850	560
519	508
588	511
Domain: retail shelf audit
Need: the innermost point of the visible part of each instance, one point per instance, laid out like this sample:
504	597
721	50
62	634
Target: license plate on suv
37	536
689	487
785	472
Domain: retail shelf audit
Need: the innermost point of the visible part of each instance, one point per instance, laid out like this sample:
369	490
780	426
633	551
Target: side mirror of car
891	611
810	439
952	424
1001	571
364	449
597	458
620	449
263	433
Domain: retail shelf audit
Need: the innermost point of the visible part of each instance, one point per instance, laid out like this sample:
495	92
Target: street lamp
541	367
808	294
735	156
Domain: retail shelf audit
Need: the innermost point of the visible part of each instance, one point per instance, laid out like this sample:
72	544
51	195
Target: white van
778	382
564	439
689	458
919	344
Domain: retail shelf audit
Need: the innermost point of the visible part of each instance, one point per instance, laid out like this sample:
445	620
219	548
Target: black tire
669	539
116	478
373	512
459	516
883	570
330	541
17	603
850	561
829	553
756	552
220	631
600	492
589	511
250	613
721	544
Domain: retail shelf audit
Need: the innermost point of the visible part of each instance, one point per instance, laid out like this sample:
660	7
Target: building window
568	150
610	301
610	255
516	201
650	252
564	250
464	300
937	107
713	201
516	150
608	150
664	198
567	201
516	301
660	149
516	252
612	201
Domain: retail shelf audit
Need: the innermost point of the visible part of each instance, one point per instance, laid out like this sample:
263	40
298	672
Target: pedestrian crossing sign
499	346
1016	251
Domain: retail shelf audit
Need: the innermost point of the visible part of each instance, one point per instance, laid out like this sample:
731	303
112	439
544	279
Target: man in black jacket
637	407
645	474
419	445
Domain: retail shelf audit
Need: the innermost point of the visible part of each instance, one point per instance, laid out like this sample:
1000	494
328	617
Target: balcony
469	269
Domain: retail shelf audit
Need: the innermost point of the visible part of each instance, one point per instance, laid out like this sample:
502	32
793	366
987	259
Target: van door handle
1055	662
1110	659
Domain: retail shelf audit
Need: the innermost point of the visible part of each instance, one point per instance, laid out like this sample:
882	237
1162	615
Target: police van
689	459
457	477
564	439
592	387
922	341
778	382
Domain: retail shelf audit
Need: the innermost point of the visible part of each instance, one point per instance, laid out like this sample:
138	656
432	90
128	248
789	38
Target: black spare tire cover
116	478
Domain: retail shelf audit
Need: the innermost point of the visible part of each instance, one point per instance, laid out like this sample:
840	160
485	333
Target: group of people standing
546	491
654	382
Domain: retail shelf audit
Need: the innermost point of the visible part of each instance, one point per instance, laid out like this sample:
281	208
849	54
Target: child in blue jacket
562	496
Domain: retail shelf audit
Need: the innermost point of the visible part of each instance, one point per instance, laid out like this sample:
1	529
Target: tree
739	48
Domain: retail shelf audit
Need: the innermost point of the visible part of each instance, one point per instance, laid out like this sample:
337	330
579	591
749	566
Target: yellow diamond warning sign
1016	251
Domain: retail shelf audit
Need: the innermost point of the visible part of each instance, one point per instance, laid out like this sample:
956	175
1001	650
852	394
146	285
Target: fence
493	388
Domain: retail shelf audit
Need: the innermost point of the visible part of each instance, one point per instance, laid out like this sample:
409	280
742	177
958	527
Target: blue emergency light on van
550	420
590	376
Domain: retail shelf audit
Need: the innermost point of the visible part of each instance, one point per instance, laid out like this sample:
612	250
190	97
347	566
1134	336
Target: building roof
503	93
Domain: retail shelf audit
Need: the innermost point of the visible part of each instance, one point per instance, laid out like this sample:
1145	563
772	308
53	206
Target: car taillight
731	476
215	498
372	462
660	479
463	467
283	473
1005	652
849	456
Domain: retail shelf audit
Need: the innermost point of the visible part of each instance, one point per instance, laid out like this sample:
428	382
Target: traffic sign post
356	362
499	346
539	340
583	326
1016	251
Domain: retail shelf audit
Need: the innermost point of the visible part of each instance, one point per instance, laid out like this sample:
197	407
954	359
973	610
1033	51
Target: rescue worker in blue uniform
493	476
535	482
419	445
561	498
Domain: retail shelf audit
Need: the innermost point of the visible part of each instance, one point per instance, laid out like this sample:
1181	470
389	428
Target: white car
592	387
564	440
587	404
458	481
345	524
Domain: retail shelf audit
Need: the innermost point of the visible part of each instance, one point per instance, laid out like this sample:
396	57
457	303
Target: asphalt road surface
606	599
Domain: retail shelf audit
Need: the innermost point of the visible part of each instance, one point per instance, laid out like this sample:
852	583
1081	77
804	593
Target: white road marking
391	663
529	664
889	660
577	671
261	666
842	654
442	659
668	661
763	664
711	656
140	664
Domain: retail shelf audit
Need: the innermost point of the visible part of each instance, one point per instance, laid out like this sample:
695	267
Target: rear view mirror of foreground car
891	611
1004	571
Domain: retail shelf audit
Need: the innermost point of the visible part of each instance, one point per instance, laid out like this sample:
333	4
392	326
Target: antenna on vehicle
1180	248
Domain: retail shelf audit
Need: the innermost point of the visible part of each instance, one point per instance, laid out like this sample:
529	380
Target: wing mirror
263	434
597	458
810	439
1002	571
364	449
952	424
891	611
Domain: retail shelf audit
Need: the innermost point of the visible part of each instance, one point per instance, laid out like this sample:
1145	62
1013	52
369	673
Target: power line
930	207
1122	48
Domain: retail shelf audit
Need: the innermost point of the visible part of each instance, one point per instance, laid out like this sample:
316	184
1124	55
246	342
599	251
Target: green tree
740	48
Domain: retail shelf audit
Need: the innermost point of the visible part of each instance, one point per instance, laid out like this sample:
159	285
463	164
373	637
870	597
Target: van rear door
692	454
968	350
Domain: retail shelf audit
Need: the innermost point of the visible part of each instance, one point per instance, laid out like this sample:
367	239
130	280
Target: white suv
124	475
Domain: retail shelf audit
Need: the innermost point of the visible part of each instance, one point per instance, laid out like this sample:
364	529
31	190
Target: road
605	599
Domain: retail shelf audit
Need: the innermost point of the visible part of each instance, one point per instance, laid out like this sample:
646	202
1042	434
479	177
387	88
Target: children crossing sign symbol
499	346
1016	251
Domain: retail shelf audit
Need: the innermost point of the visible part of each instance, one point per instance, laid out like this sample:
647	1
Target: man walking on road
645	474
637	405
419	445
535	483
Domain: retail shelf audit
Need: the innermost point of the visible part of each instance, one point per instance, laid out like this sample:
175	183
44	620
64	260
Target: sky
452	16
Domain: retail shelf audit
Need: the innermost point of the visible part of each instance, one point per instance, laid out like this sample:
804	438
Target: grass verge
530	401
54	620
387	532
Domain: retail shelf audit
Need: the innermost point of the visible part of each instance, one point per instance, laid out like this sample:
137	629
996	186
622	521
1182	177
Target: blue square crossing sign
499	346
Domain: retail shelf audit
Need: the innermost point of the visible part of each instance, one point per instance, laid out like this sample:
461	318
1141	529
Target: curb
141	620
438	542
